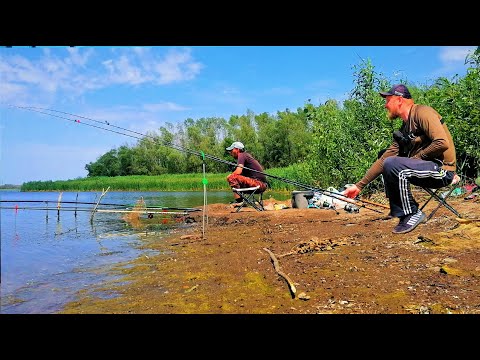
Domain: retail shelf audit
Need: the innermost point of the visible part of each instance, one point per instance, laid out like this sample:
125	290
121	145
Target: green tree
458	101
125	158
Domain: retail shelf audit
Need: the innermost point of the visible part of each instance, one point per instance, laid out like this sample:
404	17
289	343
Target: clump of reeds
133	217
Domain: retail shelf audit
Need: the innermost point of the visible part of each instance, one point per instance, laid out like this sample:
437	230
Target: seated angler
422	154
248	173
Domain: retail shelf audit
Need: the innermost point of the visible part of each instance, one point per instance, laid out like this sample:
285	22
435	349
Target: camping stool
250	196
442	200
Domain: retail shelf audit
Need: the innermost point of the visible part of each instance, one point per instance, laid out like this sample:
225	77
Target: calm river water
46	259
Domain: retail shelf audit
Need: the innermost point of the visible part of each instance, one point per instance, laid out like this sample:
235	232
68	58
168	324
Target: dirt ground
302	261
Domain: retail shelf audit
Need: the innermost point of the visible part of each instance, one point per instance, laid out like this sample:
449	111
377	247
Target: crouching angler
248	172
422	153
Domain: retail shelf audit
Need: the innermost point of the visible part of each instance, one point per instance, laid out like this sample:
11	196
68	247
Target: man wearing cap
248	173
422	154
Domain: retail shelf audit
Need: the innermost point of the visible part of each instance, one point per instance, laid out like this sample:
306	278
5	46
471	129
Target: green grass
168	182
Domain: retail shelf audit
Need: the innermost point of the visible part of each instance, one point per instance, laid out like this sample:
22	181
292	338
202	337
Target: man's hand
351	192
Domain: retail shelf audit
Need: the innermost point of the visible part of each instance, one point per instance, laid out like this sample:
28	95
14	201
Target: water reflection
48	256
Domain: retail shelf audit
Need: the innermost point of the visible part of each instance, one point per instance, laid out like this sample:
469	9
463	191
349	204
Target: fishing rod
172	208
140	211
62	202
179	148
120	206
140	137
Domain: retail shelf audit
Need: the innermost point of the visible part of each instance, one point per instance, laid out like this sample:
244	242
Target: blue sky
143	88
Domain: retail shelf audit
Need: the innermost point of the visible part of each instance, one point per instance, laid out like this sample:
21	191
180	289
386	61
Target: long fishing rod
61	202
140	137
140	211
177	147
119	206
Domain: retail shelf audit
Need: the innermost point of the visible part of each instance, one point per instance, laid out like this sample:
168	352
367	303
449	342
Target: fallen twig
466	221
276	266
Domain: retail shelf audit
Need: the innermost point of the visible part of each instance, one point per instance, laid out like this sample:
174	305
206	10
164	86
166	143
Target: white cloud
177	66
122	71
10	92
452	59
81	70
139	65
455	54
77	58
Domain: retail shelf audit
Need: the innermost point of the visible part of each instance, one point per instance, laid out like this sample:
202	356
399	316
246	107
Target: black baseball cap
398	90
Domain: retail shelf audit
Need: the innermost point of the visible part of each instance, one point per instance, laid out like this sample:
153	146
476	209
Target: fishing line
164	143
37	109
177	147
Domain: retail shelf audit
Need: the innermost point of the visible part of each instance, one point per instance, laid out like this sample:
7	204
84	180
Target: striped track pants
400	172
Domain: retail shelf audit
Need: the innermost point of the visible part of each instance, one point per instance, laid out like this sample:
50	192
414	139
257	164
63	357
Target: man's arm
372	173
240	164
238	169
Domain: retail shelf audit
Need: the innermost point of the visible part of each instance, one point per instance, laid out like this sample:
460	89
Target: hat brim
229	148
385	94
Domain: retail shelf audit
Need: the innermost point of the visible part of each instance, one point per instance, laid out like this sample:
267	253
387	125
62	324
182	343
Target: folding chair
250	196
442	200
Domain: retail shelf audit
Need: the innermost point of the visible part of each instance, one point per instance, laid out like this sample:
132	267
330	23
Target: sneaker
409	222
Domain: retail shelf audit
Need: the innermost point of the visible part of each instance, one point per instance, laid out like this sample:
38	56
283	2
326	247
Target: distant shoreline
10	187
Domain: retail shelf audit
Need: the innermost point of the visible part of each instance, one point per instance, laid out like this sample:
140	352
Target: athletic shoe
409	222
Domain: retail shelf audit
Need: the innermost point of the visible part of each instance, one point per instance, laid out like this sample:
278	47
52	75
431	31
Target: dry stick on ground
466	221
292	288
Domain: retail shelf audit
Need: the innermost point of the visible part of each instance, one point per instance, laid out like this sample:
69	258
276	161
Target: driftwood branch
98	202
291	287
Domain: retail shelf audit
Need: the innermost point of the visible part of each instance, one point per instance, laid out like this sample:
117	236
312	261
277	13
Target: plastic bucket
300	199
